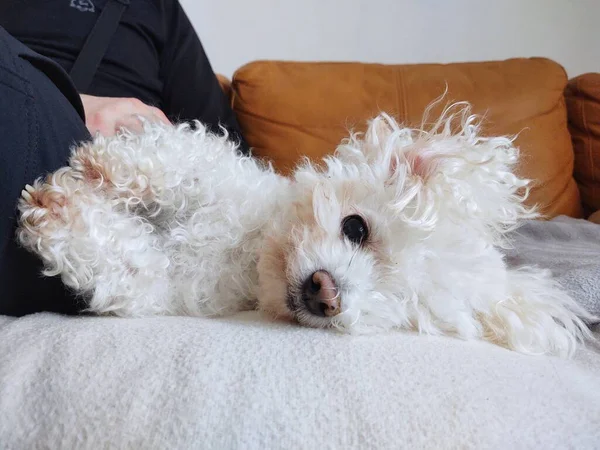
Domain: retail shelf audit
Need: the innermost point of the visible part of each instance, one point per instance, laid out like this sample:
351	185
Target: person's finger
125	107
129	122
101	124
135	106
160	115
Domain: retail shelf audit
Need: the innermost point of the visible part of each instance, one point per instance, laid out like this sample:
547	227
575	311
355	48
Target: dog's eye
355	229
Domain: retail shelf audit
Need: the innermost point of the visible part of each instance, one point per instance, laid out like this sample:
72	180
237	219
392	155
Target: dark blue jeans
41	118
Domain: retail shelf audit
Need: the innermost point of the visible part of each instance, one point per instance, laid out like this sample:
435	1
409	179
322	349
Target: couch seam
396	82
588	144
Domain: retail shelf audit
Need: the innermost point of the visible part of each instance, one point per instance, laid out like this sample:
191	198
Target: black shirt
155	55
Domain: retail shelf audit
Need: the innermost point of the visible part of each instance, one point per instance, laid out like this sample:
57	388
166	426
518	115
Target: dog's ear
379	130
392	151
383	143
373	147
389	145
471	174
420	161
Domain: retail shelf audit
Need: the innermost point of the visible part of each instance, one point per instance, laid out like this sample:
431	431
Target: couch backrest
290	109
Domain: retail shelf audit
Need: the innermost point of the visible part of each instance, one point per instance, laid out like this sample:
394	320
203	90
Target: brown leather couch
288	110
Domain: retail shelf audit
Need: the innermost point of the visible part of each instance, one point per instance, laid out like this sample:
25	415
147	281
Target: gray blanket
570	248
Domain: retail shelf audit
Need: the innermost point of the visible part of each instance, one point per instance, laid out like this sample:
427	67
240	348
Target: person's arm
191	89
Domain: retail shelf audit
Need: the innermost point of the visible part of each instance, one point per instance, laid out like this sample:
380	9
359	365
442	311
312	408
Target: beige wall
398	31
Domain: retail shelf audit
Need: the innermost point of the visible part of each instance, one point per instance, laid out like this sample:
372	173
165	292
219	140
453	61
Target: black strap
94	48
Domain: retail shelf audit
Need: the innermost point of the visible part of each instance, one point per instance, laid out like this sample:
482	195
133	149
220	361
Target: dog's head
369	234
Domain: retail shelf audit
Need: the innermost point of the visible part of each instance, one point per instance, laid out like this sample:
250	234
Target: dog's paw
41	205
45	215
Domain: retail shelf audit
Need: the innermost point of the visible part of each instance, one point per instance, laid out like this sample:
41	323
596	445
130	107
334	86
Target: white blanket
242	382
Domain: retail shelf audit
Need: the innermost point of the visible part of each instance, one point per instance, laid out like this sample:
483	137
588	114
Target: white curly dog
401	228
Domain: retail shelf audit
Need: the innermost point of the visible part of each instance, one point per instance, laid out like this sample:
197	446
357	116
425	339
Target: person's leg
40	120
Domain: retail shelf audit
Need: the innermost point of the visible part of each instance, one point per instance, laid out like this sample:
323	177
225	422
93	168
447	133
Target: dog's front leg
113	259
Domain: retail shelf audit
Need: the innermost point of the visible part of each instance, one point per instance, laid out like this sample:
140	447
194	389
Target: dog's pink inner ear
417	163
420	165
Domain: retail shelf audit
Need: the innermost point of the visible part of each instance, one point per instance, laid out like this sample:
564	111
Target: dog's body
402	229
164	223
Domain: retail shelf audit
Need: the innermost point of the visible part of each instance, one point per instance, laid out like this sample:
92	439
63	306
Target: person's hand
107	115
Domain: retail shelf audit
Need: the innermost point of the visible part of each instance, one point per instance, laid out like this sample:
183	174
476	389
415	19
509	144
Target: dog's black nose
320	294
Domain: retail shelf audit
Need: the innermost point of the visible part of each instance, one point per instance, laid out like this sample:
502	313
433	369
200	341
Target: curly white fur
174	221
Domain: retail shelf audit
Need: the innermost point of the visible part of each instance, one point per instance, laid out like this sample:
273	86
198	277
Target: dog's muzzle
321	295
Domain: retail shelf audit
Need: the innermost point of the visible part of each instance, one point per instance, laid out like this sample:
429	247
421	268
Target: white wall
398	31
